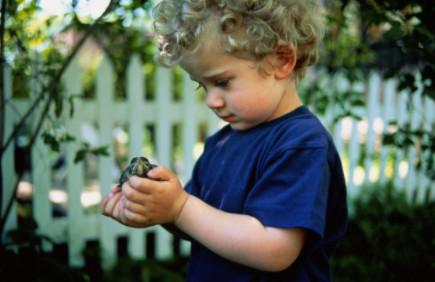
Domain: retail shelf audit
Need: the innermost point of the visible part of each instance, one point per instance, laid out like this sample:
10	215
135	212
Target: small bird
138	166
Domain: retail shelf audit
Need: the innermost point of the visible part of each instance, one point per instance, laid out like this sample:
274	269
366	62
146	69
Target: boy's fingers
111	204
115	188
135	207
145	185
140	184
134	195
135	219
160	173
104	203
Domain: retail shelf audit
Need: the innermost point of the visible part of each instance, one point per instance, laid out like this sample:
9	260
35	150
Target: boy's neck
291	100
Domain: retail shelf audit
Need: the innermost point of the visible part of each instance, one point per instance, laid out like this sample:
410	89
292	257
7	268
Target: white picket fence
356	139
105	114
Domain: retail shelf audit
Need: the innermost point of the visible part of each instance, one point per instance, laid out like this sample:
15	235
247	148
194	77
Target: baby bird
138	166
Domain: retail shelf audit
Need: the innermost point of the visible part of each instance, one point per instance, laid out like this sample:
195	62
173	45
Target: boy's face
235	90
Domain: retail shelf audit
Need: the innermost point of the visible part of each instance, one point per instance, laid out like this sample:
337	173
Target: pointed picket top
72	77
105	81
135	81
134	64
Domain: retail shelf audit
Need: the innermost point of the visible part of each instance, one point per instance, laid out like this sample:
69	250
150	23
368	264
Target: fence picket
388	116
105	96
354	149
400	160
413	179
164	115
41	173
136	104
372	113
8	161
429	125
77	227
190	134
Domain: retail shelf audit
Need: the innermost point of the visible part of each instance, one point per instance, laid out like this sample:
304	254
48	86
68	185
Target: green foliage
393	37
86	149
406	137
55	135
129	270
396	37
389	238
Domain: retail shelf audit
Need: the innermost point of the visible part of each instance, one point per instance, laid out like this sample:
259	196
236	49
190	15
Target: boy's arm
239	238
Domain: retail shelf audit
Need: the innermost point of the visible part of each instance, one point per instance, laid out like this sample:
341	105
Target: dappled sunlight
358	176
346	128
25	190
374	173
403	169
58	197
90	198
198	149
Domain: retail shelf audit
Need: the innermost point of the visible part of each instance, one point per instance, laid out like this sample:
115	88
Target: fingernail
151	172
134	181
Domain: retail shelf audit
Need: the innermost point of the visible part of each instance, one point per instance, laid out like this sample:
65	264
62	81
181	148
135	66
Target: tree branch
2	101
2	66
56	80
51	87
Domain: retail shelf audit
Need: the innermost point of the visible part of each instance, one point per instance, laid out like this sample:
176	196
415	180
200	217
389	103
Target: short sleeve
292	190
193	186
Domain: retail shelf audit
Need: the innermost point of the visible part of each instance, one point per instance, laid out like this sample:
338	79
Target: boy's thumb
160	173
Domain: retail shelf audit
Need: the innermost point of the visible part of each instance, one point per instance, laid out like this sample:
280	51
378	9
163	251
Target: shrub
389	238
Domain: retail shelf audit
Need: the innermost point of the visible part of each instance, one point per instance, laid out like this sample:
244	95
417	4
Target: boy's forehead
194	64
207	66
200	57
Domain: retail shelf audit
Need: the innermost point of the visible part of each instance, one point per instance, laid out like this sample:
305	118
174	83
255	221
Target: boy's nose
214	99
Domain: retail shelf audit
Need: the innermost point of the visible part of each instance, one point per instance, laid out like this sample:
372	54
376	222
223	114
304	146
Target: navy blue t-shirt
287	174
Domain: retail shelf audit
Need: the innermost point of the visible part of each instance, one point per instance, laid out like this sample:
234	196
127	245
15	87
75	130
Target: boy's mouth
228	118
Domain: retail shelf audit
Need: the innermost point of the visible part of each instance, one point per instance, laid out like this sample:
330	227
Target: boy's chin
241	126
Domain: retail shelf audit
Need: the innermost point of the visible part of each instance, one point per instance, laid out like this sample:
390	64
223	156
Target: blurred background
81	95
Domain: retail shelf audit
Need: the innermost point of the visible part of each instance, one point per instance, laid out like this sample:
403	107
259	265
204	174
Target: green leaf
88	150
102	151
58	102
80	155
71	103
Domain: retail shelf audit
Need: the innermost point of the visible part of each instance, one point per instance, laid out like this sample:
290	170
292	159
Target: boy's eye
223	83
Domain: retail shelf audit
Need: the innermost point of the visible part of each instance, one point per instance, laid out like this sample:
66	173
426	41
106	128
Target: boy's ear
285	61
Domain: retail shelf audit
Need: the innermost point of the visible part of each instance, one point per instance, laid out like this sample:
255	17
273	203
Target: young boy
267	199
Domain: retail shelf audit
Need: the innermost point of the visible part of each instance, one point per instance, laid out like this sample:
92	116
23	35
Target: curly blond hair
248	28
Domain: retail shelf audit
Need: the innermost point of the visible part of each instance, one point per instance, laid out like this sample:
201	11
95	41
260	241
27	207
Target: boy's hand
146	202
111	205
153	201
